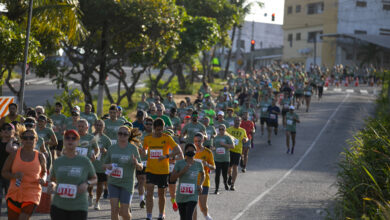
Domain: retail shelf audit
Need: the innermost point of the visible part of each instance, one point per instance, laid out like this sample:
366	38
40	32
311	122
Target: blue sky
270	6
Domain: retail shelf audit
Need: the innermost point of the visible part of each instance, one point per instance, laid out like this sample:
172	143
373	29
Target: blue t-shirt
139	125
272	116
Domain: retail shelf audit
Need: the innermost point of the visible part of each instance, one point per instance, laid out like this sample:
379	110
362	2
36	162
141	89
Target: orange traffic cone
356	82
44	205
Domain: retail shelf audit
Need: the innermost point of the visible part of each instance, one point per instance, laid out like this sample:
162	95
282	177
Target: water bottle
18	182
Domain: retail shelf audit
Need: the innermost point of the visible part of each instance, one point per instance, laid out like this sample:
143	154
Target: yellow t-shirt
206	155
157	147
239	134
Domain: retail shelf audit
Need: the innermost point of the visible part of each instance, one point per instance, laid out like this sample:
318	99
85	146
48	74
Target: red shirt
249	126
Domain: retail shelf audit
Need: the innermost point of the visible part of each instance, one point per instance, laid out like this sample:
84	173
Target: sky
270	6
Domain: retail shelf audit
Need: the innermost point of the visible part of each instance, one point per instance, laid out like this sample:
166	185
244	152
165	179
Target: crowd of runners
174	146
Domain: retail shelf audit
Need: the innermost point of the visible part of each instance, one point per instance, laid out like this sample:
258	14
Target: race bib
187	188
272	116
265	109
113	142
171	166
220	150
289	122
307	93
236	141
117	173
82	151
68	191
155	154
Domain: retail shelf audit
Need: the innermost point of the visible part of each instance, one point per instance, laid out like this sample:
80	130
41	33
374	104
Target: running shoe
97	206
226	187
175	207
269	143
229	180
232	188
288	150
292	150
142	204
90	201
216	192
105	194
208	217
161	218
243	170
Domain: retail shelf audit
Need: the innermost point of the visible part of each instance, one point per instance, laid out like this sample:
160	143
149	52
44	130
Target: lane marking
363	91
263	194
337	90
43	82
350	90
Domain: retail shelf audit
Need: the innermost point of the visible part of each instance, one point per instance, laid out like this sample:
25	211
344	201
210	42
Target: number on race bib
117	173
236	142
220	150
155	154
82	151
67	191
187	188
113	142
272	116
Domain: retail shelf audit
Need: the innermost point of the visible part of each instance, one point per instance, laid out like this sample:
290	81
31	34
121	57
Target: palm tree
244	9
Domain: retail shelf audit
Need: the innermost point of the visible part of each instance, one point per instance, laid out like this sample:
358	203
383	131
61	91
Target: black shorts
298	95
284	112
292	132
141	172
101	177
263	120
59	146
234	158
272	124
169	180
161	180
307	96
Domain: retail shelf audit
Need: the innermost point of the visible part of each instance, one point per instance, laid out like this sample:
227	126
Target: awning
380	40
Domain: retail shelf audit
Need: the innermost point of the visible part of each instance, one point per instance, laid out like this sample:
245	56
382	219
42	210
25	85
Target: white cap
221	113
292	107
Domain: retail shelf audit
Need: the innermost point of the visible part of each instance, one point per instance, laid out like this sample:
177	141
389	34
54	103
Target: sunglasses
221	129
150	124
28	138
68	138
75	114
29	125
123	134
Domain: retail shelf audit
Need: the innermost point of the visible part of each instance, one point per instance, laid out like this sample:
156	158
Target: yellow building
304	22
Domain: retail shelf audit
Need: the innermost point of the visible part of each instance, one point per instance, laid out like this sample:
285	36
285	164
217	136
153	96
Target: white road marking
32	80
337	90
43	81
325	88
263	194
363	91
350	90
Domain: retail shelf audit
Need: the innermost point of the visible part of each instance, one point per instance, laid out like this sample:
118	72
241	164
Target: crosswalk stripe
363	91
350	90
337	90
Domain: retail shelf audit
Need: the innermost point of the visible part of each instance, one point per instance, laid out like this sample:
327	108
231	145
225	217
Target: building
330	32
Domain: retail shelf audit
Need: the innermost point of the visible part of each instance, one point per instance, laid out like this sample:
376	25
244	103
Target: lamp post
23	80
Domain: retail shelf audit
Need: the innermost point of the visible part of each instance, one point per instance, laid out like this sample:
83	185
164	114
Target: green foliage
364	178
69	98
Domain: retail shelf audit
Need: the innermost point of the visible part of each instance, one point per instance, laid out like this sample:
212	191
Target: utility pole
238	48
252	51
315	49
23	80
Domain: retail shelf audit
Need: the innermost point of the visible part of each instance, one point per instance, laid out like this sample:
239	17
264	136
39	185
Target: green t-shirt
230	121
264	108
45	133
91	118
176	122
191	129
187	189
307	91
111	129
166	119
169	104
69	124
103	142
69	173
291	121
210	113
58	125
217	123
210	131
251	112
124	175
143	106
222	154
87	145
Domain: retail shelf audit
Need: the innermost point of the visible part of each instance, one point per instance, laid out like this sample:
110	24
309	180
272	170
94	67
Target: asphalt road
280	186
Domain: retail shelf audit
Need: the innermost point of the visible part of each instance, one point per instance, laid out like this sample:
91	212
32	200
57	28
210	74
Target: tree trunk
102	72
230	52
177	69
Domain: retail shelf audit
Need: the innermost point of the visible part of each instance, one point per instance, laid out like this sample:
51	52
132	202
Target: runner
286	102
169	103
308	91
30	124
59	121
12	115
160	114
71	122
139	121
157	170
189	130
292	120
210	133
104	144
320	86
113	124
120	115
70	177
89	116
190	187
206	156
47	134
222	144
121	161
220	120
249	127
230	116
273	112
26	170
235	154
264	104
176	122
143	104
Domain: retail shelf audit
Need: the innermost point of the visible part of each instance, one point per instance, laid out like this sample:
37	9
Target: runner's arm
6	172
43	174
177	152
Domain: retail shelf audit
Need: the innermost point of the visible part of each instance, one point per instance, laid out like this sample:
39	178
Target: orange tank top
29	189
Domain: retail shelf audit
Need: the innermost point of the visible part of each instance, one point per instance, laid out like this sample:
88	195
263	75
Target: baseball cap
292	107
221	113
73	132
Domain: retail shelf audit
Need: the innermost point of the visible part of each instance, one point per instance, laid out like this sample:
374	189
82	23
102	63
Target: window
314	36
360	32
289	9
298	36
290	39
297	8
361	4
315	8
386	7
383	31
